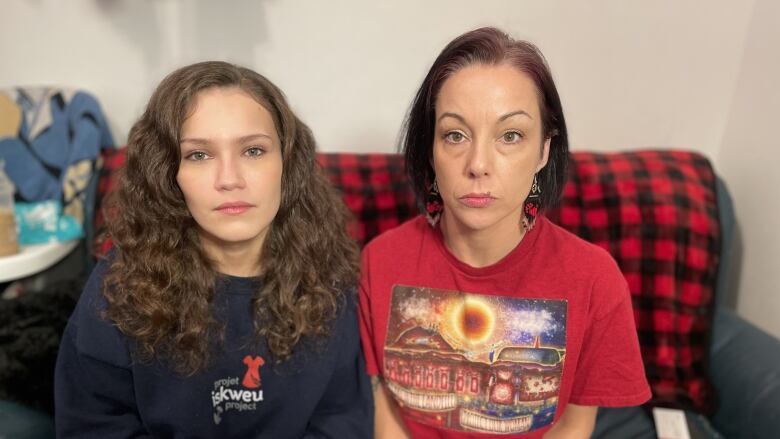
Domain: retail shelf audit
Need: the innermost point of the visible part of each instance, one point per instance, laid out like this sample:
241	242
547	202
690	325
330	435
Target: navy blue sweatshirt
100	392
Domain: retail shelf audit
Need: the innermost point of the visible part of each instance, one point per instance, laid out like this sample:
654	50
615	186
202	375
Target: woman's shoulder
582	262
346	308
401	236
89	331
574	250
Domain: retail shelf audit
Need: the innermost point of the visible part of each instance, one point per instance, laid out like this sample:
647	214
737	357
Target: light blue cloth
43	221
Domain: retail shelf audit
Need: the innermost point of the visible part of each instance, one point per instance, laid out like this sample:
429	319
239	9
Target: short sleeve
367	336
610	372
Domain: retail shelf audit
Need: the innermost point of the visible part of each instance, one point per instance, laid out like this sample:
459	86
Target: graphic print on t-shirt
473	362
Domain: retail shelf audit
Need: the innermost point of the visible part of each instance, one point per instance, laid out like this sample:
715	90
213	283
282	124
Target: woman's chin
473	222
233	236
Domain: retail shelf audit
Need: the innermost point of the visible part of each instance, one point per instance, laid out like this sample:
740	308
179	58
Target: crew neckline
239	285
510	259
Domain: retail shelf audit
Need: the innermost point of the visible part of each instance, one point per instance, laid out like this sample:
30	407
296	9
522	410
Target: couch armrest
745	370
18	421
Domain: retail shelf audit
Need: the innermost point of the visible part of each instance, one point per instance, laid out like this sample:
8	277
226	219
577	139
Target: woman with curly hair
226	307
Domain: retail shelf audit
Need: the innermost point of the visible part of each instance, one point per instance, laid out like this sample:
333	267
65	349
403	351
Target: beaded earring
532	205
433	205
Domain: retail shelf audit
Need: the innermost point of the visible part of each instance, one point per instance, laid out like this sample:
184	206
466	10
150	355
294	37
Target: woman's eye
254	152
197	156
512	137
454	137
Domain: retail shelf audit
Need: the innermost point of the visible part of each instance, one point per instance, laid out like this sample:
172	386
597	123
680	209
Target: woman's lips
477	200
233	208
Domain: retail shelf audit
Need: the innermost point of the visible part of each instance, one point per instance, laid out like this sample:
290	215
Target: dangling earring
433	205
532	205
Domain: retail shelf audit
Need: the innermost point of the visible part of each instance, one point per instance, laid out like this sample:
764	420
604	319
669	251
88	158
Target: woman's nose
478	162
229	175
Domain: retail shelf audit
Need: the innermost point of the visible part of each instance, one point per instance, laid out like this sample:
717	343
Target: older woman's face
231	168
487	147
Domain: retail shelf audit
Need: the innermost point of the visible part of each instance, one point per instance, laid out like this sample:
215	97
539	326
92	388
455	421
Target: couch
699	355
723	370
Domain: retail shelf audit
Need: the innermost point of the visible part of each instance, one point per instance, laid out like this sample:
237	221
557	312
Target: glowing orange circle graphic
474	320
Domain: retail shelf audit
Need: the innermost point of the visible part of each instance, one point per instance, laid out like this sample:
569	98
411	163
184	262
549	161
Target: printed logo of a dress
234	394
252	376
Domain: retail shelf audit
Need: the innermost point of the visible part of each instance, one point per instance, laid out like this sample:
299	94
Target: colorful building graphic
473	362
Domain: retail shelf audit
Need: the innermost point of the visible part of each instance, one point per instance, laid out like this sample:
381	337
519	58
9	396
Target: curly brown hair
160	284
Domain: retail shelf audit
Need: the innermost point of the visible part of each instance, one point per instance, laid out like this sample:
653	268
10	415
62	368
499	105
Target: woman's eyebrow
242	139
514	113
249	137
452	115
501	119
195	141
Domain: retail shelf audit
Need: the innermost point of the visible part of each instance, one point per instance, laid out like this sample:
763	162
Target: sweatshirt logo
231	394
252	375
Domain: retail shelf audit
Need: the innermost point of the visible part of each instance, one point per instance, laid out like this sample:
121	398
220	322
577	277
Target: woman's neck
241	259
481	248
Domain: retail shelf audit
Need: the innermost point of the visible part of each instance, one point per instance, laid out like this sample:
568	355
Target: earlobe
545	155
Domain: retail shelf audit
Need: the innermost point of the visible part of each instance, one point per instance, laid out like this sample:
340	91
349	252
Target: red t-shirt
475	352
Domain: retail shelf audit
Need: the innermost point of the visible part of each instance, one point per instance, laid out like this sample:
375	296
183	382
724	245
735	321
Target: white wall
631	74
749	160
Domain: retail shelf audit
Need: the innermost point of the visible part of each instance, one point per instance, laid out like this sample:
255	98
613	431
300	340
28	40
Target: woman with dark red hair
481	318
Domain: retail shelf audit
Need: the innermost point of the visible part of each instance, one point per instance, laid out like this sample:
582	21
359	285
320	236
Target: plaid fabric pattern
654	211
656	214
113	159
374	188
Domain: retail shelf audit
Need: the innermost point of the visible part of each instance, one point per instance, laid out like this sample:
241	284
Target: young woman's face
231	167
487	147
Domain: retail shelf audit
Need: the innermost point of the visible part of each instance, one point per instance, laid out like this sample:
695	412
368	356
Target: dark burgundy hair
486	46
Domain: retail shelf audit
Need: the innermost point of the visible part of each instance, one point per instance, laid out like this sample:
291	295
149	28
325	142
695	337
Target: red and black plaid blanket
656	214
654	211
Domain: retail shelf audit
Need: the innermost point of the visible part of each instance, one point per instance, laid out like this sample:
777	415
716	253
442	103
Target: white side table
33	259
